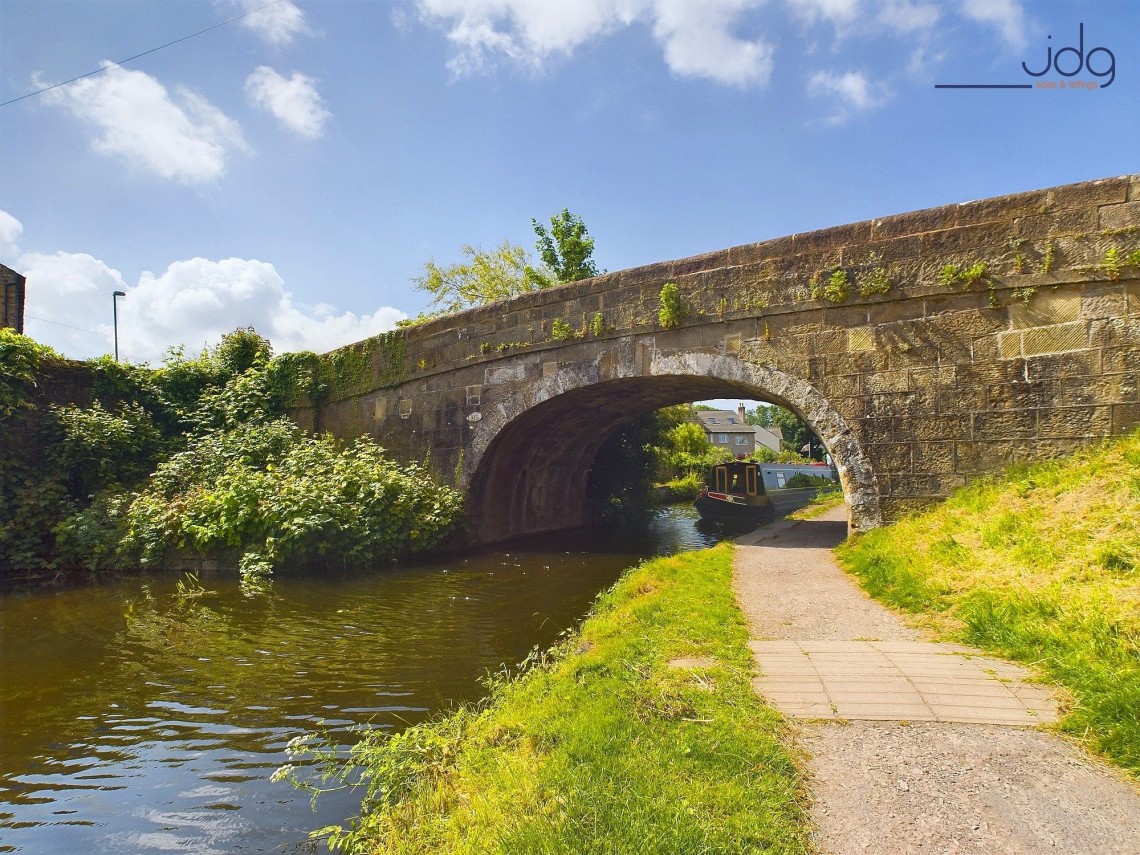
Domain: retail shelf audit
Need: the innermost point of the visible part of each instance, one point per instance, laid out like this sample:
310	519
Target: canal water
135	718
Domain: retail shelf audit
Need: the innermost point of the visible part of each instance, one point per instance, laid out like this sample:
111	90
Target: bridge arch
531	455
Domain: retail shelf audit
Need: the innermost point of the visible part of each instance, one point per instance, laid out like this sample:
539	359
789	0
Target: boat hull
719	510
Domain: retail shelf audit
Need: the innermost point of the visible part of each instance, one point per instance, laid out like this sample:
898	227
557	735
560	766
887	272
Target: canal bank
638	733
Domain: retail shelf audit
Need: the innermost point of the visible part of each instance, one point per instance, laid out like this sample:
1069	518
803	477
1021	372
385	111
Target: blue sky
294	170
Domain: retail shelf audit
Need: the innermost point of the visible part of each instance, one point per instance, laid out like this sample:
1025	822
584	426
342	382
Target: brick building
11	299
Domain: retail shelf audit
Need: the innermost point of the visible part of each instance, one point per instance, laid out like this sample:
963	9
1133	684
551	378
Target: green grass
1041	566
819	504
603	746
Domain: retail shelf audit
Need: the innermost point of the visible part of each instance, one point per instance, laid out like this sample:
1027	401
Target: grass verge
639	733
820	504
1041	566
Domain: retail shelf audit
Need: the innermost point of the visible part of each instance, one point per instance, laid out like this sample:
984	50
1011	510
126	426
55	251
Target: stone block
1019	395
895	509
877	430
1009	345
1062	422
887	381
947	303
896	310
1134	189
914	223
943	427
845	317
1125	215
1058	339
1063	365
1104	301
1046	308
1042	226
827	240
936	458
933	378
1125	418
968	398
1002	209
860	339
1005	424
890	456
1106	191
975	241
1117	359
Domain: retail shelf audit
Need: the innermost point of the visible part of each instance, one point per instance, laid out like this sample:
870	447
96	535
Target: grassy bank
1041	566
640	733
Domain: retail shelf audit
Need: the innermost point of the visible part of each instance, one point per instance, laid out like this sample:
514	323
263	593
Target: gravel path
929	787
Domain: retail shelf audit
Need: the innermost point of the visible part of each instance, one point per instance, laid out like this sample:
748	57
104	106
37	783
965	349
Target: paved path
912	745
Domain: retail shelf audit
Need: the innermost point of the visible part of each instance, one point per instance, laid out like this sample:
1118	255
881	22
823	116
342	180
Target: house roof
722	421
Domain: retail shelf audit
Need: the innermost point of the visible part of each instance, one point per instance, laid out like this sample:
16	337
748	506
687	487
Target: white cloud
838	12
696	35
278	24
192	303
854	90
10	231
904	16
699	42
141	125
293	100
1006	15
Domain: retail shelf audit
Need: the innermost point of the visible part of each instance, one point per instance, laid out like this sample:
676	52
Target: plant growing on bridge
1050	256
483	277
671	312
874	282
567	249
560	330
598	325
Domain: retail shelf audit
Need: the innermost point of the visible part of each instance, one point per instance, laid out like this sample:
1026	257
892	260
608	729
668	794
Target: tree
567	248
794	430
483	278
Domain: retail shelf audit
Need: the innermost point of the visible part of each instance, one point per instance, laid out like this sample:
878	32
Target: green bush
802	480
280	497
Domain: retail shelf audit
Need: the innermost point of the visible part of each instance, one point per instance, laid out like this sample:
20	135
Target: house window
732	421
742	440
712	421
722	438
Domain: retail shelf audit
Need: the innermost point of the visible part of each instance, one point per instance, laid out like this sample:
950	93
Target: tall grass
1042	566
604	746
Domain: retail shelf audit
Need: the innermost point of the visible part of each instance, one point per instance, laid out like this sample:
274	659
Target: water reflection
138	720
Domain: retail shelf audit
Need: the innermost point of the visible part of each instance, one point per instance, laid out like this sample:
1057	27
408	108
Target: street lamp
115	308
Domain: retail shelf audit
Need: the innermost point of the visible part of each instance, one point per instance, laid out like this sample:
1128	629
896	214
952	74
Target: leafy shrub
281	496
96	448
20	358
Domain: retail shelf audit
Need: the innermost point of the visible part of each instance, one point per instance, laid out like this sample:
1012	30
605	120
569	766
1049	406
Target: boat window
721	479
750	479
779	479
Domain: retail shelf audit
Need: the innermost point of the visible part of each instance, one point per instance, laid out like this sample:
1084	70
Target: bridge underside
534	475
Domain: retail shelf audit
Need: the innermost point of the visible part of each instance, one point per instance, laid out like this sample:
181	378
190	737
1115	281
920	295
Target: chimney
740	412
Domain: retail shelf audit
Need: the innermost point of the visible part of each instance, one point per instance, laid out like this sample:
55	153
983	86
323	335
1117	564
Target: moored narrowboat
735	494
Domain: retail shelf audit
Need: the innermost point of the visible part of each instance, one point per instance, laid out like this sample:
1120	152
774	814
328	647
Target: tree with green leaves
483	277
795	431
567	249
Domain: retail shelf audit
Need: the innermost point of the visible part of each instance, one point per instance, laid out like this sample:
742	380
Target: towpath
914	747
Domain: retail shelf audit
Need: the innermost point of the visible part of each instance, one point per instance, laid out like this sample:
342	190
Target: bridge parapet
950	342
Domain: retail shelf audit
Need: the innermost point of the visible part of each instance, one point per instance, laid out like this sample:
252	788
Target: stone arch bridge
925	348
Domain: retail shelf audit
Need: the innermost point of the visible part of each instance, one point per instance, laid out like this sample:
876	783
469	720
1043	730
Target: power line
139	55
69	326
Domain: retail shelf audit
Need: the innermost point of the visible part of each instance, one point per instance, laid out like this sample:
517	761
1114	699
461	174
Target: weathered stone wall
932	378
11	299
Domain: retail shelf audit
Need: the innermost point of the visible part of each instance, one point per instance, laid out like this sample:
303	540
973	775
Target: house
11	299
728	429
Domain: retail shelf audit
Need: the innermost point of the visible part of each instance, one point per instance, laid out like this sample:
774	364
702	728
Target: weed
560	330
1111	264
671	312
875	282
598	325
1050	256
